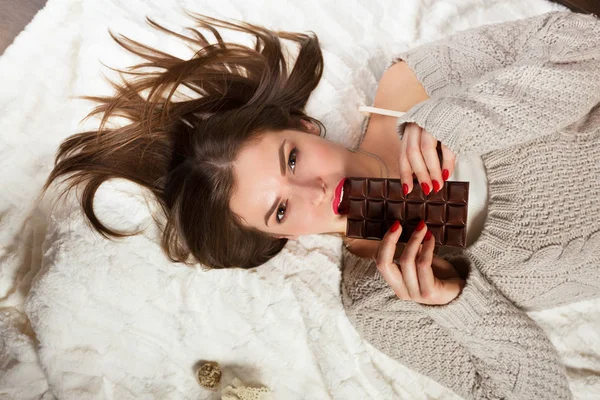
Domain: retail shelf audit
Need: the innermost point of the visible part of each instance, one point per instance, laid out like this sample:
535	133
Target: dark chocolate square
358	188
436	214
439	197
456	236
416	194
377	188
395	211
457	214
415	212
395	190
355	228
374	229
458	192
375	209
358	208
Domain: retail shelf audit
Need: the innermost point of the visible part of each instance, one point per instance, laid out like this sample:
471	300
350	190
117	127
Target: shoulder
399	89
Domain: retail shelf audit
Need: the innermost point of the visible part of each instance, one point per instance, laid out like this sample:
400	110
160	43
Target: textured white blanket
86	318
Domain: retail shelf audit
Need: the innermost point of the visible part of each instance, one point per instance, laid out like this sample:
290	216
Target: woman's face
285	183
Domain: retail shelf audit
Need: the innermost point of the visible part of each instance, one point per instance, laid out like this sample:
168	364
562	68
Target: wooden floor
15	14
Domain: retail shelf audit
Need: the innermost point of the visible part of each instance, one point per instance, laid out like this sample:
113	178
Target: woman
244	163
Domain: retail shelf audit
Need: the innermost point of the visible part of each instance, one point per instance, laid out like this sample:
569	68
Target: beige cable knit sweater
524	95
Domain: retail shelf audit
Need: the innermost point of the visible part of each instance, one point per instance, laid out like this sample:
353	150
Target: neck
369	165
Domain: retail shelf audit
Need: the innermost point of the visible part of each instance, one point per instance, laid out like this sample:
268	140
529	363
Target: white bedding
116	320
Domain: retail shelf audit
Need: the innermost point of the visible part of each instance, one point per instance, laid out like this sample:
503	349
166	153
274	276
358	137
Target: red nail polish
445	175
421	225
395	226
425	188
436	186
428	235
405	189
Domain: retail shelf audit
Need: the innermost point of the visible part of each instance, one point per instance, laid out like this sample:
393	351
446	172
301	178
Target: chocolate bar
373	204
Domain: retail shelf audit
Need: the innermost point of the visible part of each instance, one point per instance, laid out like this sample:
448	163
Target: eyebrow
282	170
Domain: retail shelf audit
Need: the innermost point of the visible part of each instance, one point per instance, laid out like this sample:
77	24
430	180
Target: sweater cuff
477	299
442	118
428	70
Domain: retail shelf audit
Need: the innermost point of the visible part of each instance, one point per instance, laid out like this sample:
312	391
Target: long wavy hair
181	144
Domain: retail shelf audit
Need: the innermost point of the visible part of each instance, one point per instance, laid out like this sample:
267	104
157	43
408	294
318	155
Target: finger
408	261
408	268
392	275
419	252
412	246
406	172
387	246
417	163
385	263
432	161
425	274
449	159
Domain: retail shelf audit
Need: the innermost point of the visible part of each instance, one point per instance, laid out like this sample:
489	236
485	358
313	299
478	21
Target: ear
310	127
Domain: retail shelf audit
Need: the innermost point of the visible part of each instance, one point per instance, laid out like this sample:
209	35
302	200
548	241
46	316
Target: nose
314	191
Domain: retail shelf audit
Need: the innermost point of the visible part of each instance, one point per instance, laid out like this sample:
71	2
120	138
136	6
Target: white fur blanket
86	318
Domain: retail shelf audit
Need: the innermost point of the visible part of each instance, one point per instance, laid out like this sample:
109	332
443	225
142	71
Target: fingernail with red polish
445	175
436	186
425	188
405	189
421	225
428	235
395	226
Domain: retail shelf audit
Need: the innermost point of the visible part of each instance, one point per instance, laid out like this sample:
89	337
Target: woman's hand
418	155
421	276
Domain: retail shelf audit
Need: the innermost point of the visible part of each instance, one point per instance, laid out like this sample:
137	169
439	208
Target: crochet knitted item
525	97
240	392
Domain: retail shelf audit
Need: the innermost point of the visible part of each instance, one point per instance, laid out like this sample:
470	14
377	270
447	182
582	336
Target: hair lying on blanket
182	148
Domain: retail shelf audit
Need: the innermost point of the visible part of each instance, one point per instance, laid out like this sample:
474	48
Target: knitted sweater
525	96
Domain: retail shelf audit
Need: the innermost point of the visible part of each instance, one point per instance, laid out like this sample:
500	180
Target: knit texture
525	97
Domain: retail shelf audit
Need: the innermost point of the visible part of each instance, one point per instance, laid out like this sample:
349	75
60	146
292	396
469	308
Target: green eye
281	212
292	159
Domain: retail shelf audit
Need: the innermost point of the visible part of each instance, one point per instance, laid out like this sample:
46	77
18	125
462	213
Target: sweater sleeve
444	65
480	345
506	84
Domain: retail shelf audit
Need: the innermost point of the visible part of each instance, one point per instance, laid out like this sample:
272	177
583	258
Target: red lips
337	195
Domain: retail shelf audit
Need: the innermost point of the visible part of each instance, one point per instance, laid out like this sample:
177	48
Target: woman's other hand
418	155
421	276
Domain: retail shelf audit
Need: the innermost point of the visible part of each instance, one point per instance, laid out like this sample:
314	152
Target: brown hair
182	148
